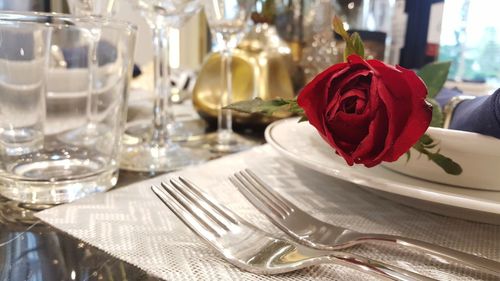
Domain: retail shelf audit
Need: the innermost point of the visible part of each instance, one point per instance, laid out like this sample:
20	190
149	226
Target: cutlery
252	249
315	233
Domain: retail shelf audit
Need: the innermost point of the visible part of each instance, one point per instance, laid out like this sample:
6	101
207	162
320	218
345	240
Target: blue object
445	95
137	71
480	115
106	53
78	56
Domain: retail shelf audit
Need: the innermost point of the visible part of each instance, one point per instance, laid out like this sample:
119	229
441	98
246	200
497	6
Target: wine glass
227	20
149	147
92	131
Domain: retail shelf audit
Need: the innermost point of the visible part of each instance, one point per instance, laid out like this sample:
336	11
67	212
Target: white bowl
478	155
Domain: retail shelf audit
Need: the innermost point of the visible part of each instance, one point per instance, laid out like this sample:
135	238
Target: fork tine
199	216
277	197
266	191
195	223
248	190
221	210
201	204
192	206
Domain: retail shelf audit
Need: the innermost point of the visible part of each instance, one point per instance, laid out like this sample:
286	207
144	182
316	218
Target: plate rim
391	186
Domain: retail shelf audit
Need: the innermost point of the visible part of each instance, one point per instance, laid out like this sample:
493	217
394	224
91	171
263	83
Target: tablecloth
130	223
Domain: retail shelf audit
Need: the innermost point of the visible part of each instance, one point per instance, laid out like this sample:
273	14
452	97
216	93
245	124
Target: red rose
366	110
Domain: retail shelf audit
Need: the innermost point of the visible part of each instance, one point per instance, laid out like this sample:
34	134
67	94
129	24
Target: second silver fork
321	235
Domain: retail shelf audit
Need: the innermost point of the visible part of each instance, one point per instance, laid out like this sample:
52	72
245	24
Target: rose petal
417	84
350	79
355	60
354	98
337	107
372	149
393	79
407	100
313	98
333	85
350	128
396	94
418	120
347	157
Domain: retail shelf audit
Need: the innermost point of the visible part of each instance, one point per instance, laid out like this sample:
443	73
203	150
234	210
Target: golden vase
261	67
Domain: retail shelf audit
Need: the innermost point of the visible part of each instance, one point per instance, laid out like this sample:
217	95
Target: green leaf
357	44
294	107
437	114
257	105
434	76
349	49
267	107
353	43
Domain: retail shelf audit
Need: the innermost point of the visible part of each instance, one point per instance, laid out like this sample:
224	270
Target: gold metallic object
261	67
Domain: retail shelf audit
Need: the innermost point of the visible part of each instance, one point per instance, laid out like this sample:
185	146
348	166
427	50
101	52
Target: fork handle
450	255
375	268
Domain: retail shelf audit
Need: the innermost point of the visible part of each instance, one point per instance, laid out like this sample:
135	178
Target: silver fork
315	233
252	249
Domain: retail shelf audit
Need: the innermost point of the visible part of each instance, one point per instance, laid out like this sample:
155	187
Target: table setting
243	169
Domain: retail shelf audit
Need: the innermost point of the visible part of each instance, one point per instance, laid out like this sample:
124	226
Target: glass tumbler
63	94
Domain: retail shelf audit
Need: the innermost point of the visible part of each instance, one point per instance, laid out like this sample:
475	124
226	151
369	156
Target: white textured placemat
131	224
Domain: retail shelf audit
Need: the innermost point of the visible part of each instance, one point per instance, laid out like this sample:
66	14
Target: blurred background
466	32
192	42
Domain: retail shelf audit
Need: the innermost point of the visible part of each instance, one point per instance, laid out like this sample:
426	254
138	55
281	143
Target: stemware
89	8
149	147
227	20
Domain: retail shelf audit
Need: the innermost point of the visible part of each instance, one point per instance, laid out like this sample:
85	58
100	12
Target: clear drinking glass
53	84
227	20
149	147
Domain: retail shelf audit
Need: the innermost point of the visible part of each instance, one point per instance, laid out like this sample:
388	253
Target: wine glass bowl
159	13
228	22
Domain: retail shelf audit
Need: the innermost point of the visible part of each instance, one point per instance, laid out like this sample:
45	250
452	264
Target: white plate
478	155
301	143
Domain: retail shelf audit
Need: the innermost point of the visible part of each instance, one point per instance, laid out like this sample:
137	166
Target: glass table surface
33	251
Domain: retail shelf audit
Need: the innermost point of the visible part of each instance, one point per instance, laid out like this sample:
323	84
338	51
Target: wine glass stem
224	120
162	115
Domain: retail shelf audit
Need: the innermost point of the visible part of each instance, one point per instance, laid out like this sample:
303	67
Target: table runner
131	224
